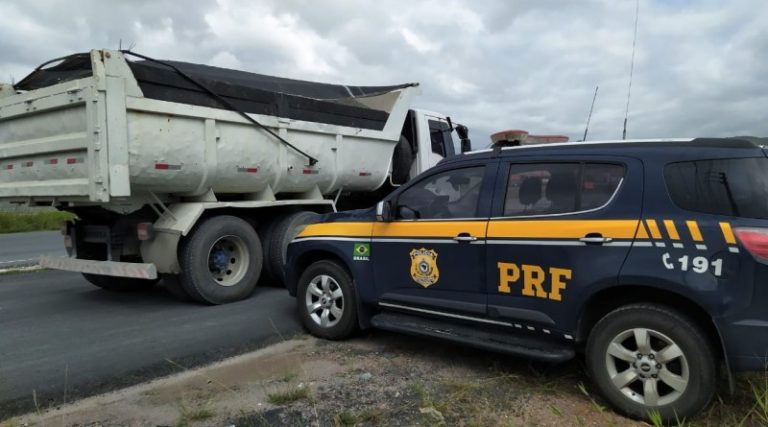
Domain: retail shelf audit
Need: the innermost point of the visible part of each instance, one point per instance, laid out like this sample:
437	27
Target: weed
556	410
289	376
370	415
654	417
583	389
22	270
191	413
36	221
422	393
289	396
344	418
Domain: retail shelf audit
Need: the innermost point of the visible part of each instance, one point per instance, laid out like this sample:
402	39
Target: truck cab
427	138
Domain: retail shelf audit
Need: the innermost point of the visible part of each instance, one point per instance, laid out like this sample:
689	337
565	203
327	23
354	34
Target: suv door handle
595	238
465	237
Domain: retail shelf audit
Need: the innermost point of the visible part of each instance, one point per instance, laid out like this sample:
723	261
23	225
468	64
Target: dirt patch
377	379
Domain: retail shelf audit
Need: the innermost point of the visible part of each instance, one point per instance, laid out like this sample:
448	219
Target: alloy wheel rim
647	366
324	300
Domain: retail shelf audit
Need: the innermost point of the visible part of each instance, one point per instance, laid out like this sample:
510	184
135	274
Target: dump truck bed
95	128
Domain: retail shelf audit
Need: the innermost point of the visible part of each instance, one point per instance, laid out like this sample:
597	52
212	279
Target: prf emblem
424	267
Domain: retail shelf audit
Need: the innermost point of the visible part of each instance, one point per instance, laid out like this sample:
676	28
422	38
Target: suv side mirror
383	213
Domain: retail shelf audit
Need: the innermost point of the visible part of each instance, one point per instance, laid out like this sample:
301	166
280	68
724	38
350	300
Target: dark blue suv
649	257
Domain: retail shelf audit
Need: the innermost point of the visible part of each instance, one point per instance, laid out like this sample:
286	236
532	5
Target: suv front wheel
647	358
327	302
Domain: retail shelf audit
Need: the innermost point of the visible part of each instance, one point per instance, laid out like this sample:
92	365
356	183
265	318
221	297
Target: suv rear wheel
648	358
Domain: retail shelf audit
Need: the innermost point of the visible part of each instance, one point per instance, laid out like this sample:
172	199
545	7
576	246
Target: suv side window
451	194
734	187
559	188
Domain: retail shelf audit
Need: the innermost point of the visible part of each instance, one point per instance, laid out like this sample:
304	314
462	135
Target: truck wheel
172	284
647	357
281	233
221	261
120	284
327	301
402	160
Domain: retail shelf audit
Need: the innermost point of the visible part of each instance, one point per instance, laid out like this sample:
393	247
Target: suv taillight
755	240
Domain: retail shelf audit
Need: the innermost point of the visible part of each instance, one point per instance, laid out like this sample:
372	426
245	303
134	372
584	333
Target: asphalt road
61	338
18	249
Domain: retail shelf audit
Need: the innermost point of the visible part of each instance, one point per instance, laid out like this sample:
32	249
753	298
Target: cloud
491	64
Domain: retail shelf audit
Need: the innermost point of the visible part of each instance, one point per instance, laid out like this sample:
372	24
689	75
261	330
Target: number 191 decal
697	264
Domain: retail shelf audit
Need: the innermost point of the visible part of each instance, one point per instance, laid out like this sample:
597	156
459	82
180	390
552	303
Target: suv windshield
734	187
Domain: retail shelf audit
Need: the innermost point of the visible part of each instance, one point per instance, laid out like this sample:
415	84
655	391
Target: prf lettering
534	280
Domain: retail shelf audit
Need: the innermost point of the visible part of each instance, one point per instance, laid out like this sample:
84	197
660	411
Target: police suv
647	256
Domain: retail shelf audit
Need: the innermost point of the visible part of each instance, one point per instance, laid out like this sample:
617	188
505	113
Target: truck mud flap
104	268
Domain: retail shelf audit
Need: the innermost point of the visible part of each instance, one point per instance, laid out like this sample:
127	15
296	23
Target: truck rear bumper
104	268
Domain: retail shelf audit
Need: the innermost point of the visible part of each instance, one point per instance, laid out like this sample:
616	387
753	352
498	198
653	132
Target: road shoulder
379	379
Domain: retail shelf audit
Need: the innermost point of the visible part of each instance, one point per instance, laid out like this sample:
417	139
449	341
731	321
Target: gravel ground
379	379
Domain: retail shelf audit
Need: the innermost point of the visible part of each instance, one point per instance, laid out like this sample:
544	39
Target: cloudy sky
701	66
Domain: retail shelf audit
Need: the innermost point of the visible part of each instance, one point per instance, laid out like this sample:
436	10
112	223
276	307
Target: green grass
189	413
288	396
37	221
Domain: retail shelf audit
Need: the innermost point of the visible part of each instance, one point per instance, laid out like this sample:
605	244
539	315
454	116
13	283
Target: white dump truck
200	175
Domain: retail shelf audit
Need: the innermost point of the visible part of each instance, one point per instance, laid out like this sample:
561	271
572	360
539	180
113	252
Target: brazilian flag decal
361	251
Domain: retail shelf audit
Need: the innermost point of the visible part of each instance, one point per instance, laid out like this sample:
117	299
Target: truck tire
281	232
120	284
648	357
327	301
221	261
172	284
402	160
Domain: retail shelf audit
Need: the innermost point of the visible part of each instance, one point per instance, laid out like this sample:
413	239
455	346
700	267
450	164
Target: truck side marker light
247	170
52	161
167	167
28	164
671	229
9	167
365	174
73	160
306	171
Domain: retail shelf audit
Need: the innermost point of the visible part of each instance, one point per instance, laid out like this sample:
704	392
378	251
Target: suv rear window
734	187
560	188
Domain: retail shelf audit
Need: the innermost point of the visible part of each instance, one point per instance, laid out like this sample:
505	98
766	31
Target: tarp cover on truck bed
249	92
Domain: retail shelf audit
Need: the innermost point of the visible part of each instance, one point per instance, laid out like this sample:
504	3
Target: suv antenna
631	69
589	117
